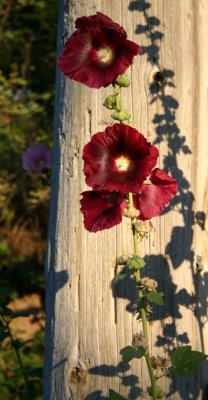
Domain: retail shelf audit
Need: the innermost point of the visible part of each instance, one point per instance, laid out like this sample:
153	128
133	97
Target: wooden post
88	318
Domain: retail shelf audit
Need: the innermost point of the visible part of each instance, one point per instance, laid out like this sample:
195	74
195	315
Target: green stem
117	93
143	312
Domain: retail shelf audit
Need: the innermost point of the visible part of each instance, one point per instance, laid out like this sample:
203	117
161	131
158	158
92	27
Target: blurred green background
27	78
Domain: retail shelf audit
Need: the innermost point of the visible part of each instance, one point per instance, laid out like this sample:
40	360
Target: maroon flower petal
97	24
101	209
118	159
154	196
97	52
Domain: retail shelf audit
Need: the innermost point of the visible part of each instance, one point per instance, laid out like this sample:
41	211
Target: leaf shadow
119	371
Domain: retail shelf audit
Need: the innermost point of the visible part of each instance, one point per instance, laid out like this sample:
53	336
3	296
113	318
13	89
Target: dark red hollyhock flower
155	194
97	52
118	159
101	209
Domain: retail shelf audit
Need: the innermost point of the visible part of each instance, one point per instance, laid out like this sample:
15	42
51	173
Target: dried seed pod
139	340
144	227
130	212
160	363
166	363
148	283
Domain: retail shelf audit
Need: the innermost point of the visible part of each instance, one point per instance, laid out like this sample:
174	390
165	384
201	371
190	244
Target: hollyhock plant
102	209
155	194
118	159
97	52
119	167
36	158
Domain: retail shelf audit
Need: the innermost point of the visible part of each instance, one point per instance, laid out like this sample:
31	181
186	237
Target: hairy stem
142	310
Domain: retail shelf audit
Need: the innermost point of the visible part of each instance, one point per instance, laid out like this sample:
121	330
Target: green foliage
112	101
185	361
133	265
155	297
18	357
115	396
129	352
27	77
12	382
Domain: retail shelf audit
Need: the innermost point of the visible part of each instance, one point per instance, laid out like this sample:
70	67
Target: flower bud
122	115
111	102
122	80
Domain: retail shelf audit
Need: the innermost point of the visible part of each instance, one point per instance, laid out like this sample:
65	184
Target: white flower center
147	182
122	163
105	55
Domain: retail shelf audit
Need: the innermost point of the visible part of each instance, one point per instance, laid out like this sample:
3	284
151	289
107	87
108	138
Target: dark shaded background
27	77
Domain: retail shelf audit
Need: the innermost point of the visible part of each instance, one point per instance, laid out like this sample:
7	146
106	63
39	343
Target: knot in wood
78	375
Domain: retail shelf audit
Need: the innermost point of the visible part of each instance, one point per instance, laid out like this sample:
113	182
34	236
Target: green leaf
129	352
135	263
120	276
155	297
185	362
115	396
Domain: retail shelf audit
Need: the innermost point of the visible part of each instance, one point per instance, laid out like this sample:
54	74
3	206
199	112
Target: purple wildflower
36	158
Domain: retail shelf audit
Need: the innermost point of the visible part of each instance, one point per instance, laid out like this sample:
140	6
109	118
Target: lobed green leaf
155	297
129	352
185	362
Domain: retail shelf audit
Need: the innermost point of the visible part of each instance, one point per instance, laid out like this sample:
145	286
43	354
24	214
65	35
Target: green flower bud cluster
113	102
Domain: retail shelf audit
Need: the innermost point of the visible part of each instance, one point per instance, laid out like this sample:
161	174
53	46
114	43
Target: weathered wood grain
86	325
